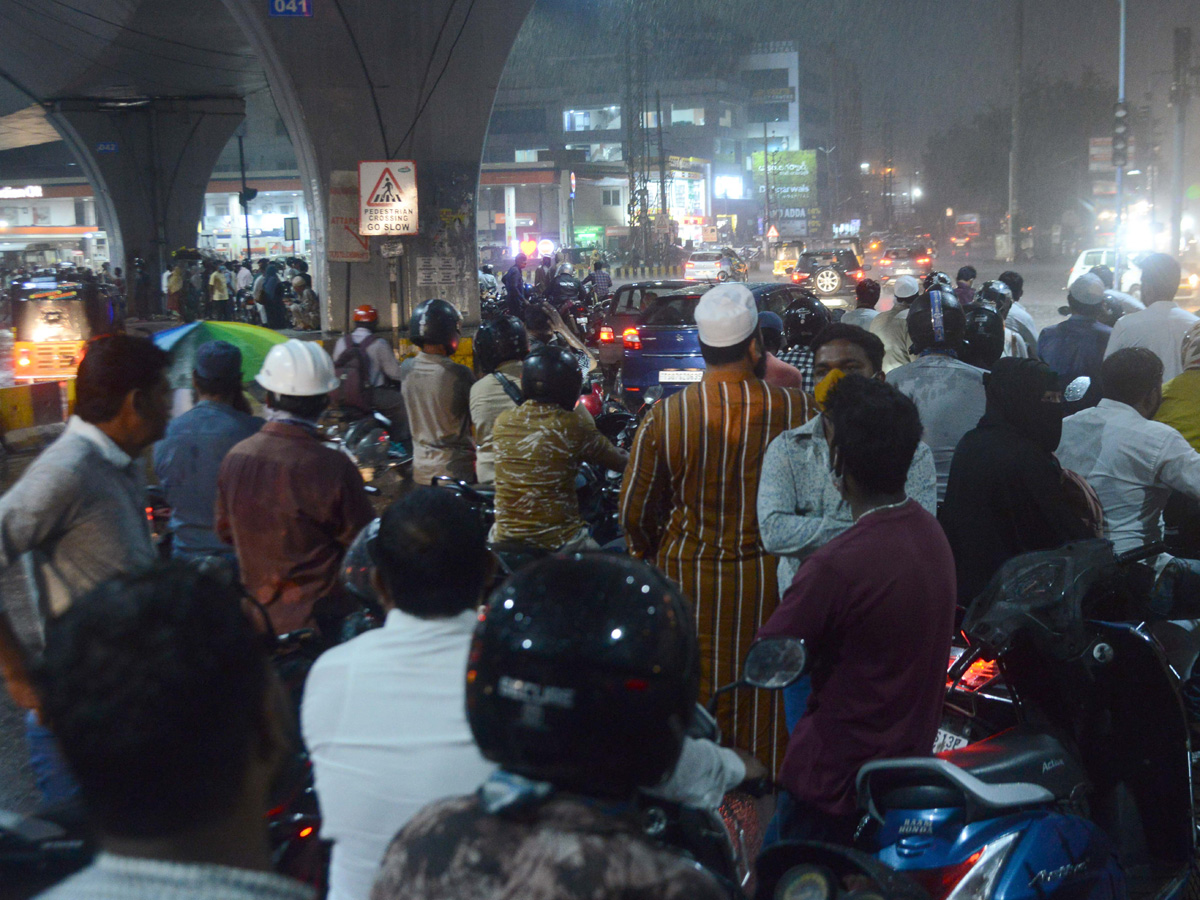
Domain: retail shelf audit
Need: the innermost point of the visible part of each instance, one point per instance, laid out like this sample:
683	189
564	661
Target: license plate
678	376
948	740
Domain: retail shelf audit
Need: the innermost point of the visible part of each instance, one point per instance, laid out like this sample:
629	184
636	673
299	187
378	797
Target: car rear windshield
705	257
674	311
899	253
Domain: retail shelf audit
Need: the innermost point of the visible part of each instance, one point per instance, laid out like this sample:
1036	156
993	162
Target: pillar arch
360	81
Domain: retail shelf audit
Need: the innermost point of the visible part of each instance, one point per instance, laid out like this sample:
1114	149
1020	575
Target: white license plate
948	740
678	376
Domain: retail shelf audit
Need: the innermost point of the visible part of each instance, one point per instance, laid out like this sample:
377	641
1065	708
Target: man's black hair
967	273
1090	311
301	407
851	334
867	292
431	554
724	356
537	321
1015	282
1130	374
114	365
225	388
155	687
876	430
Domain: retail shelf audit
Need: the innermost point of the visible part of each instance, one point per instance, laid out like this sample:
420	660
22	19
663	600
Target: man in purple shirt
876	608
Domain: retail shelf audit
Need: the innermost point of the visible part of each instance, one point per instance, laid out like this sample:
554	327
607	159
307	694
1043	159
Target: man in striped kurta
688	505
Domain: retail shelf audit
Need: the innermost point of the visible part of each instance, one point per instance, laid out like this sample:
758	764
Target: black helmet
936	321
486	269
804	319
584	672
552	375
997	295
434	322
937	278
499	341
983	343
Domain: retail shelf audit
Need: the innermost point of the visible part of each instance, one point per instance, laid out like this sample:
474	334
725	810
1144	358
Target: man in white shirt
891	325
1132	462
384	715
1160	327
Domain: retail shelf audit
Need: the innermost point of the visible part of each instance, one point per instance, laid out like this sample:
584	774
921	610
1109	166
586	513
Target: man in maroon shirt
876	608
289	504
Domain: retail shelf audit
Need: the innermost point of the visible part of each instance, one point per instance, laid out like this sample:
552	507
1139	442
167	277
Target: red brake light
924	261
606	334
940	882
886	261
631	339
859	274
306	831
690	265
799	276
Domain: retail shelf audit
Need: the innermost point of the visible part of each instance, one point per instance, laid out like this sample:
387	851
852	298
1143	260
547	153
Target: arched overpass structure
148	92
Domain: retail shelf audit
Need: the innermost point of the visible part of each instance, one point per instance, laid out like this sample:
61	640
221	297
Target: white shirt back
1159	327
384	719
1133	464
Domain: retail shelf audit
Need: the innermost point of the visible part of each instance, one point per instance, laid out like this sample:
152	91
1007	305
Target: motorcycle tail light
606	334
631	339
975	876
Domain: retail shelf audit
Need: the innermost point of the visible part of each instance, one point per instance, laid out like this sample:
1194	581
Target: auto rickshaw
50	327
787	255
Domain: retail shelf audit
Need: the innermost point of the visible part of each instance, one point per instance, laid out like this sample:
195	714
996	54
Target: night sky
932	63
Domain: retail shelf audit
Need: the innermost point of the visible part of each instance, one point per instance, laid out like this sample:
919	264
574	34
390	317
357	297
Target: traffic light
1120	139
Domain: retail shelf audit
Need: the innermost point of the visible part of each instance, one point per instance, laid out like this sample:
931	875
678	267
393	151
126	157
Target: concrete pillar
150	191
510	214
414	81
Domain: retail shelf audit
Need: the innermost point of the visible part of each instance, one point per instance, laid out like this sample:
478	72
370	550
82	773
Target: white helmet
298	369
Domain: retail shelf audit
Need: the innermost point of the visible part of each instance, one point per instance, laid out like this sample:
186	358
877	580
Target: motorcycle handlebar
1141	553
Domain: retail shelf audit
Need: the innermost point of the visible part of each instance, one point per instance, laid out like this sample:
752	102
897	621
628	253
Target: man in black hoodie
1007	494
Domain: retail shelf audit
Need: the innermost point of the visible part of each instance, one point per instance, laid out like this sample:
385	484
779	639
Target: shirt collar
105	445
1119	406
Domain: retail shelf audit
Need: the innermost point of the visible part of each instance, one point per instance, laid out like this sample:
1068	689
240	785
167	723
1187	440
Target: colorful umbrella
182	343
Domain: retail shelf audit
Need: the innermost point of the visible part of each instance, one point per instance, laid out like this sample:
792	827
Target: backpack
353	369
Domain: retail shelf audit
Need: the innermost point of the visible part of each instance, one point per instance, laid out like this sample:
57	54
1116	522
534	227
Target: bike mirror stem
717	694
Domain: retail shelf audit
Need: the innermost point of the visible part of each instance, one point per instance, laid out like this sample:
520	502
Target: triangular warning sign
772	232
386	191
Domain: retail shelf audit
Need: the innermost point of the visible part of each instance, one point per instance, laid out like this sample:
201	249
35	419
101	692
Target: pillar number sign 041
290	7
387	197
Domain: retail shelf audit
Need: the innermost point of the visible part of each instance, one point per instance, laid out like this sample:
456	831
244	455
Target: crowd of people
851	484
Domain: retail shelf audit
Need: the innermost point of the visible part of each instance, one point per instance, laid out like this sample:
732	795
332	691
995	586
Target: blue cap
219	361
770	321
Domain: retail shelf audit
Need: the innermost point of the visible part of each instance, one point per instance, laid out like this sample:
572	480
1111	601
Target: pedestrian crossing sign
387	197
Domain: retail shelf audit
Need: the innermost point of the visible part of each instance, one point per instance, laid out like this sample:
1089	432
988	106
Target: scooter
1091	794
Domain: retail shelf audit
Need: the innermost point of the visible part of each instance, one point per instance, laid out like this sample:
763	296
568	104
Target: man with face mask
1006	494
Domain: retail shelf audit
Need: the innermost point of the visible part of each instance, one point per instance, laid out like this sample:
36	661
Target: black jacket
1004	497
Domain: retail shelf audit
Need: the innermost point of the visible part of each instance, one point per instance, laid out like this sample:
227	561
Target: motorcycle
1090	794
382	461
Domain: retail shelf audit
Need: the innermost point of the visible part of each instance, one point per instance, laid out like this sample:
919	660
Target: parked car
829	272
715	265
897	261
1131	278
623	309
663	348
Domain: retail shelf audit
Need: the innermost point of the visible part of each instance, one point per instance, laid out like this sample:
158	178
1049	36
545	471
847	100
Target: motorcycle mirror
653	394
775	663
1076	389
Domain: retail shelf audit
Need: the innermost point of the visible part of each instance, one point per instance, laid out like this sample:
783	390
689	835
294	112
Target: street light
865	167
917	193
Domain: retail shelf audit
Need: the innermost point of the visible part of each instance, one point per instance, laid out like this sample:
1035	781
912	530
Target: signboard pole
394	295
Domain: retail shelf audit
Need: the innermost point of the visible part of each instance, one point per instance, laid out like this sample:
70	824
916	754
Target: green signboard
589	235
793	182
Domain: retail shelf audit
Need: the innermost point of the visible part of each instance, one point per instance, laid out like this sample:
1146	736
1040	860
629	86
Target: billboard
793	180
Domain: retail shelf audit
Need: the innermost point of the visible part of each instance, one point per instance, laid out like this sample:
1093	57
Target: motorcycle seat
1016	768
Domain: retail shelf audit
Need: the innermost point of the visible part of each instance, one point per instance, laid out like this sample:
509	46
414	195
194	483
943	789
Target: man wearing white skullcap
688	502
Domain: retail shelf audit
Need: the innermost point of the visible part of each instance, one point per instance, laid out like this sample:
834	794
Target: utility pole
1179	97
1122	121
766	194
247	193
889	177
662	164
1014	145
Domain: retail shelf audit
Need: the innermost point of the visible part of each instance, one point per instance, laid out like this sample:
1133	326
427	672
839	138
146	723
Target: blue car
663	348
